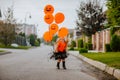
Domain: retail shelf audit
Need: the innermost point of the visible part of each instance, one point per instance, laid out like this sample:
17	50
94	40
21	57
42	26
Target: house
99	39
26	28
77	34
70	36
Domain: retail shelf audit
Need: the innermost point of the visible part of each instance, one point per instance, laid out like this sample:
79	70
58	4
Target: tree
54	38
73	43
32	39
90	17
37	43
7	33
9	16
80	43
22	34
7	29
39	40
113	12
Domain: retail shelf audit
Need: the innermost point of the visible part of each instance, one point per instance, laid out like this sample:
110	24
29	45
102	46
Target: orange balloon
59	17
47	36
53	28
48	18
48	9
63	32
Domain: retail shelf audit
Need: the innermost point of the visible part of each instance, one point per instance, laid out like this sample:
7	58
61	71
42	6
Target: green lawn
19	47
1	50
112	58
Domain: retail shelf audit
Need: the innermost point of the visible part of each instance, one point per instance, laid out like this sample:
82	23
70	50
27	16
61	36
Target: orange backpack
61	46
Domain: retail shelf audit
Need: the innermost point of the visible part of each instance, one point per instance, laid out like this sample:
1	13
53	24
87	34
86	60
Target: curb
113	71
6	52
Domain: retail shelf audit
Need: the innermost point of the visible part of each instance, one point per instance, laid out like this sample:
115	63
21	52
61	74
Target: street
34	64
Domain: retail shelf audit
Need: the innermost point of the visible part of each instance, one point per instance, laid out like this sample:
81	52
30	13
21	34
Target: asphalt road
34	64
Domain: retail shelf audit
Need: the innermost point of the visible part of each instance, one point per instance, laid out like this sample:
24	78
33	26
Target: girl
60	52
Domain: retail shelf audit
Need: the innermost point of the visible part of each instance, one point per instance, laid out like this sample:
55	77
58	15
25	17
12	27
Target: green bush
107	48
32	39
39	40
2	45
1	50
89	46
113	30
80	43
86	45
73	44
115	43
11	47
76	49
71	48
19	47
83	50
37	43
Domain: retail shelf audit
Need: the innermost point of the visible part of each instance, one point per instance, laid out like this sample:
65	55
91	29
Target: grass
20	47
110	58
11	47
1	50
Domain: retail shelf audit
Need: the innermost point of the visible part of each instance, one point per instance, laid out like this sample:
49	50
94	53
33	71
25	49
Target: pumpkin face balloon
53	28
59	17
48	18
63	32
47	36
48	9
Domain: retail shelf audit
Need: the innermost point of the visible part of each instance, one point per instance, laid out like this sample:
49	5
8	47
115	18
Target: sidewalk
113	71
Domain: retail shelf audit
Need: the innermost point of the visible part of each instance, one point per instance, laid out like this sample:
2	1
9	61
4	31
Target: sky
35	8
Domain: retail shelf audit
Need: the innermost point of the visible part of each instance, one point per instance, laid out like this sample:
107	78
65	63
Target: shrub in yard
39	40
89	46
83	50
113	30
115	43
86	45
76	49
2	45
32	40
80	43
71	48
37	43
107	48
73	44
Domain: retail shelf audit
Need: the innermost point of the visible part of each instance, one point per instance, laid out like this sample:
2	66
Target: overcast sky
35	8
